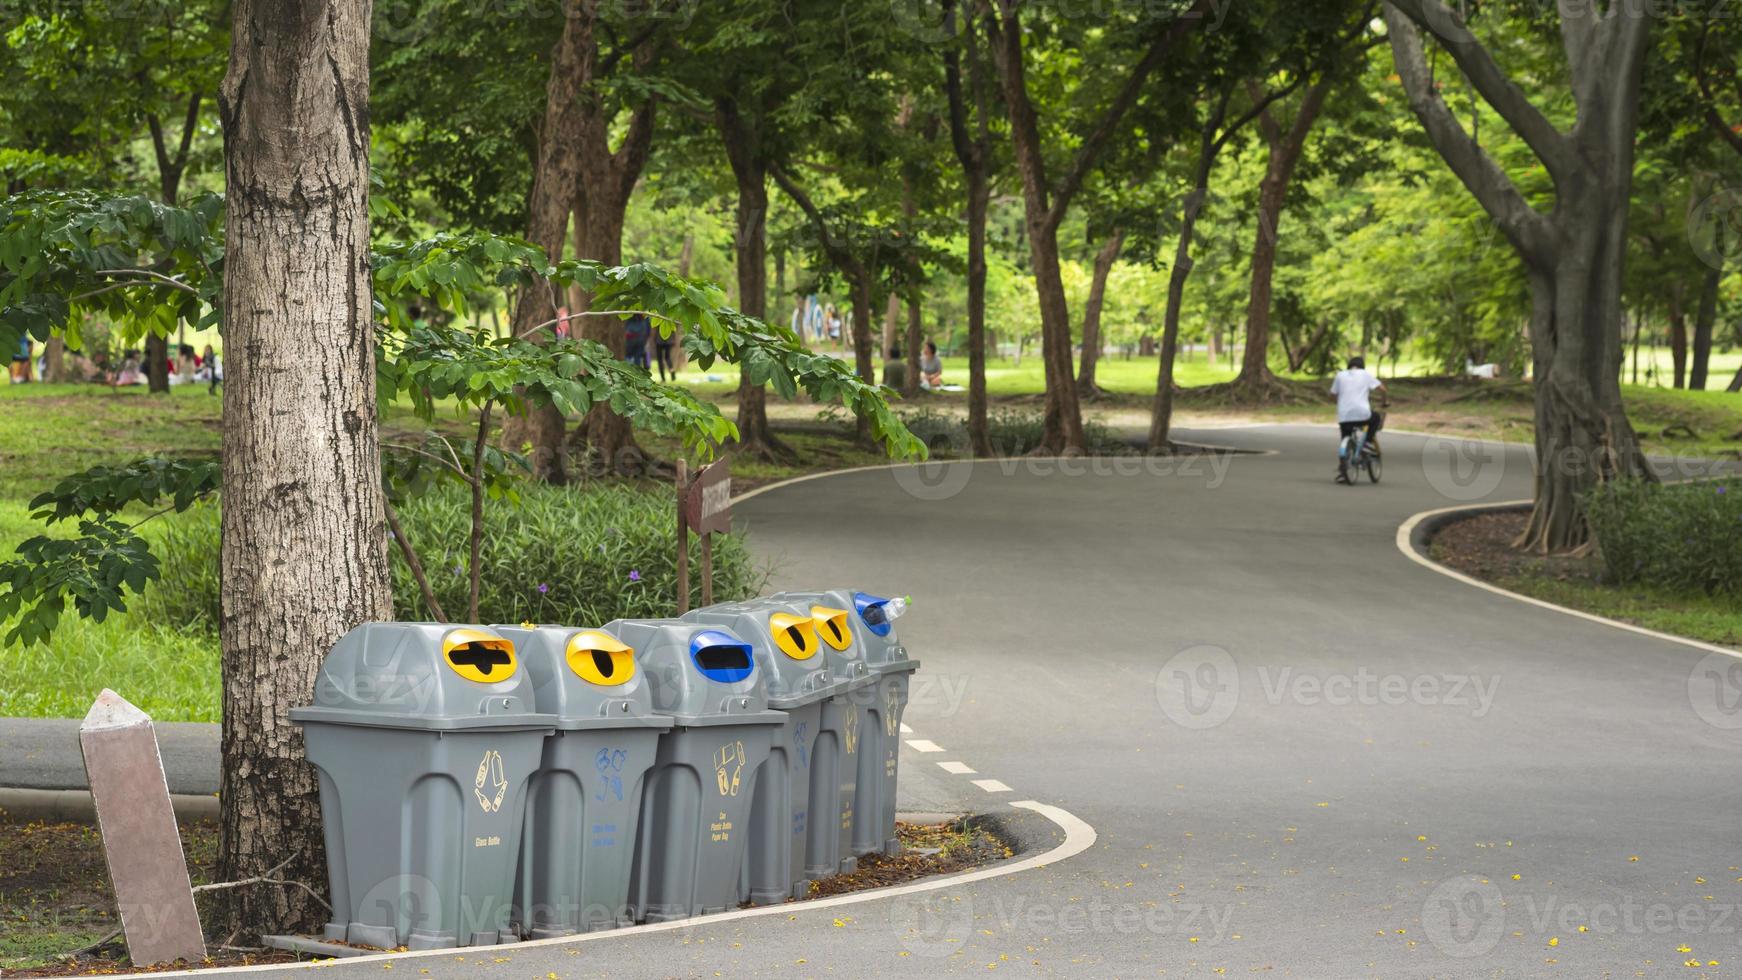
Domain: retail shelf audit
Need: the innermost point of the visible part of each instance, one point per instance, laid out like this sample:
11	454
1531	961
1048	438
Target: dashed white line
956	768
990	785
906	730
924	745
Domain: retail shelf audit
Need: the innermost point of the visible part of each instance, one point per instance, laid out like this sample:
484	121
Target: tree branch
1090	151
409	553
1525	227
1490	81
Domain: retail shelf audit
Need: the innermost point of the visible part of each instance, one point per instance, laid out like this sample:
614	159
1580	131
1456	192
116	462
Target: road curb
18	805
1414	534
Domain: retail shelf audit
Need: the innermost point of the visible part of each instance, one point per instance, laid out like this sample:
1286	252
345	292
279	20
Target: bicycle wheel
1374	464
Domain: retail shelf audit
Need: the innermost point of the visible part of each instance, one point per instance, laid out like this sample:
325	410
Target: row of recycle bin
481	784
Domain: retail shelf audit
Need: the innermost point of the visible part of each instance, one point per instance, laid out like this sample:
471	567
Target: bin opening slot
872	612
721	656
478	656
796	636
831	624
601	659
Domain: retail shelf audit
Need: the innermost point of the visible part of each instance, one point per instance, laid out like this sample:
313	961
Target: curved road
1303	754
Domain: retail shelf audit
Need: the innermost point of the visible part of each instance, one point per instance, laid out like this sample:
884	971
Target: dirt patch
55	896
927	850
1481	546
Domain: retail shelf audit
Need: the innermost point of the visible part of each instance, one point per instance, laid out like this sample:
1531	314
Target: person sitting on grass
894	370
931	367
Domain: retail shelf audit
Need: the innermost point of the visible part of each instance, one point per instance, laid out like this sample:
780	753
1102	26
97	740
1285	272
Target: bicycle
1358	448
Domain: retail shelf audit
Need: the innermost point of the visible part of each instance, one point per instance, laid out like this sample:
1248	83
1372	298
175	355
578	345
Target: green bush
572	556
1681	536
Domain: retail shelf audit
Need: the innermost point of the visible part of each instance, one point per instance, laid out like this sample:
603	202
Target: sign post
706	508
683	539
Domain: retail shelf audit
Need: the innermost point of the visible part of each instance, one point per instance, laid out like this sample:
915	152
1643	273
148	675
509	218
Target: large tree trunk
915	337
1104	260
1255	379
979	195
974	152
863	304
743	145
1061	418
304	555
1704	320
1574	256
554	183
54	360
156	363
1678	337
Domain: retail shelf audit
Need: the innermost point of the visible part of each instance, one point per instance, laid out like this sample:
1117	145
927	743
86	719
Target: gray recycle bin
695	811
425	738
882	703
585	802
798	789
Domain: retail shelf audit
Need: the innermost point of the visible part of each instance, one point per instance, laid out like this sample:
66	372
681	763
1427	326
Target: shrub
600	553
1681	536
571	556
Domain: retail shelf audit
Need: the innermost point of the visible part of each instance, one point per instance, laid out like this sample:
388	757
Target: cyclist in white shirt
1353	386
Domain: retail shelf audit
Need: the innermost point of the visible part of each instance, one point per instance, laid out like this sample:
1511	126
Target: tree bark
974	152
1285	147
54	369
1574	257
304	554
915	337
1678	337
156	363
743	143
1104	260
554	184
1704	320
607	180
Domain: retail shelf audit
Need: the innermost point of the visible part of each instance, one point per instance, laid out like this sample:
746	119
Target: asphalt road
1303	754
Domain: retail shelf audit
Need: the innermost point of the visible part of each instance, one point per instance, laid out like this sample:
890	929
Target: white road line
956	768
990	785
906	730
1406	530
924	745
1079	837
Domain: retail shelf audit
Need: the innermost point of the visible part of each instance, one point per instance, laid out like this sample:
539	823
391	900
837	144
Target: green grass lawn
1714	619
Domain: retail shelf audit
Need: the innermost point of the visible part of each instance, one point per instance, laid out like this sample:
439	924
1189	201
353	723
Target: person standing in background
662	344
211	368
635	332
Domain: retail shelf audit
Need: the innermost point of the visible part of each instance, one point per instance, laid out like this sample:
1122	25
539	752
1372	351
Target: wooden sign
140	840
704	505
708	501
